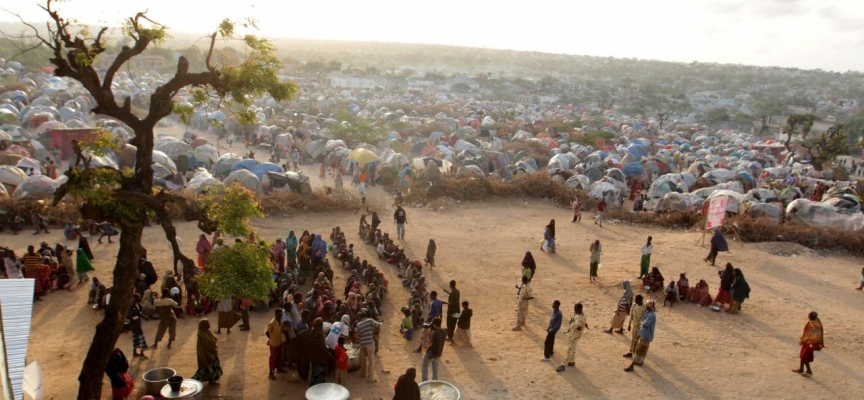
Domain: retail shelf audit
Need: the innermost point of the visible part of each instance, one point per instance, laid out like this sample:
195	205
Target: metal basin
155	379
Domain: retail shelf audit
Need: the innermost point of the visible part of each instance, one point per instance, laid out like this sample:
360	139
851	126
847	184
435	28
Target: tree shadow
480	374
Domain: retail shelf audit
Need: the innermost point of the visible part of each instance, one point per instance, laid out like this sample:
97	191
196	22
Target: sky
826	34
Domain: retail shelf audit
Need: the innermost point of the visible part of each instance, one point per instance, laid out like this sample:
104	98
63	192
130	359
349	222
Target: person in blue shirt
554	326
435	306
646	335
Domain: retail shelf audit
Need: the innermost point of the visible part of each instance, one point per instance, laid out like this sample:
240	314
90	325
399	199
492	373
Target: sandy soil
696	353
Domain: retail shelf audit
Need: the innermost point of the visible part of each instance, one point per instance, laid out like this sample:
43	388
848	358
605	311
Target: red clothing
601	206
341	358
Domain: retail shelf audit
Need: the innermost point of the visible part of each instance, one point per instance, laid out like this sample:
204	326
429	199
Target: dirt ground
697	353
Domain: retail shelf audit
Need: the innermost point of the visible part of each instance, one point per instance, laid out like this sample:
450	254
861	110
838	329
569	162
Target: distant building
351	81
463	80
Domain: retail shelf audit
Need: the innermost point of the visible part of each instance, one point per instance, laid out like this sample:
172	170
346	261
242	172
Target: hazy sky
827	34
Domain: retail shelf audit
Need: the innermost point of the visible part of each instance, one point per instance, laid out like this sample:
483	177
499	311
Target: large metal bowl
426	386
155	379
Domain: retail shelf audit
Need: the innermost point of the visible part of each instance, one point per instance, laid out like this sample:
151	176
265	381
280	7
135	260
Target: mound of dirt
784	249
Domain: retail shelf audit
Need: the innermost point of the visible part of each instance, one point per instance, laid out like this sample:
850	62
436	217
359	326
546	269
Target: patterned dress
636	314
578	323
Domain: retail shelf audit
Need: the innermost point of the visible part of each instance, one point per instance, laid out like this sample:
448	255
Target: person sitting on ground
70	232
671	293
700	294
683	286
406	329
654	280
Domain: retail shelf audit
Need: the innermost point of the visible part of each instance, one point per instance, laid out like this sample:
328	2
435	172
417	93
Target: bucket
174	382
155	379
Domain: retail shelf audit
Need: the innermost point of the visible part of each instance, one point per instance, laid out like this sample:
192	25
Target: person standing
203	248
139	342
341	361
452	309
400	218
577	210
436	348
529	266
365	328
406	388
578	324
646	335
207	351
432	248
861	286
15	268
117	370
596	250
525	293
549	237
636	313
274	340
435	306
622	310
462	337
601	209
165	306
554	326
363	209
227	316
718	244
727	278
646	250
812	340
244	314
739	291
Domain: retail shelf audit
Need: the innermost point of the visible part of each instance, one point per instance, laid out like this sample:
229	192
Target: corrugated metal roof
16	302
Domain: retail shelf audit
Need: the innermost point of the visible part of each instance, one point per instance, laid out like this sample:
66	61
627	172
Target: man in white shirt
647	249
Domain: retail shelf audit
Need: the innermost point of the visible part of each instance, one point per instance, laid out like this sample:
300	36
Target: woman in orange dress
811	341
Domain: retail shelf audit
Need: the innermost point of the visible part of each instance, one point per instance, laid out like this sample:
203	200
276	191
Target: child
601	208
425	337
671	293
407	327
341	362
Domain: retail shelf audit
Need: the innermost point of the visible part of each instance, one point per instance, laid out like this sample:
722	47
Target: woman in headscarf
727	276
718	244
623	309
739	291
303	255
812	339
700	294
430	253
528	264
203	248
43	277
278	254
596	250
84	244
406	387
82	265
117	370
549	236
646	335
654	280
683	286
375	222
207	350
134	317
319	248
291	247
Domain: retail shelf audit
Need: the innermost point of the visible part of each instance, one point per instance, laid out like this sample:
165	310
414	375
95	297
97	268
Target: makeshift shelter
814	213
11	177
674	201
666	184
224	164
293	181
734	203
765	210
36	185
205	155
203	180
62	139
244	178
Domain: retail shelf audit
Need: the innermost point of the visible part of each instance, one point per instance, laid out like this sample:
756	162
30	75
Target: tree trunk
107	331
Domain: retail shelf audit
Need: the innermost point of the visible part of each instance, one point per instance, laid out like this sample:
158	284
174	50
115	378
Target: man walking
554	326
274	336
401	219
645	262
365	328
433	353
452	309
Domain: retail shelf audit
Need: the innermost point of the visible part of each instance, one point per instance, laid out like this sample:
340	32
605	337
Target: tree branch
141	43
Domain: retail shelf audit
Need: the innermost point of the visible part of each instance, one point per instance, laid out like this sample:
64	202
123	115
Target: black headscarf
528	262
431	249
117	364
406	387
84	244
551	228
727	277
740	288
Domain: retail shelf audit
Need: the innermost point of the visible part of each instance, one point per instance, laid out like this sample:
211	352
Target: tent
244	178
37	185
735	202
11	177
224	164
814	213
678	202
765	210
293	181
261	169
579	182
244	164
206	154
202	180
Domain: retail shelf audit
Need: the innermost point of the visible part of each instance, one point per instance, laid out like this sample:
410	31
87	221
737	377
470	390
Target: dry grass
30	207
281	203
538	185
